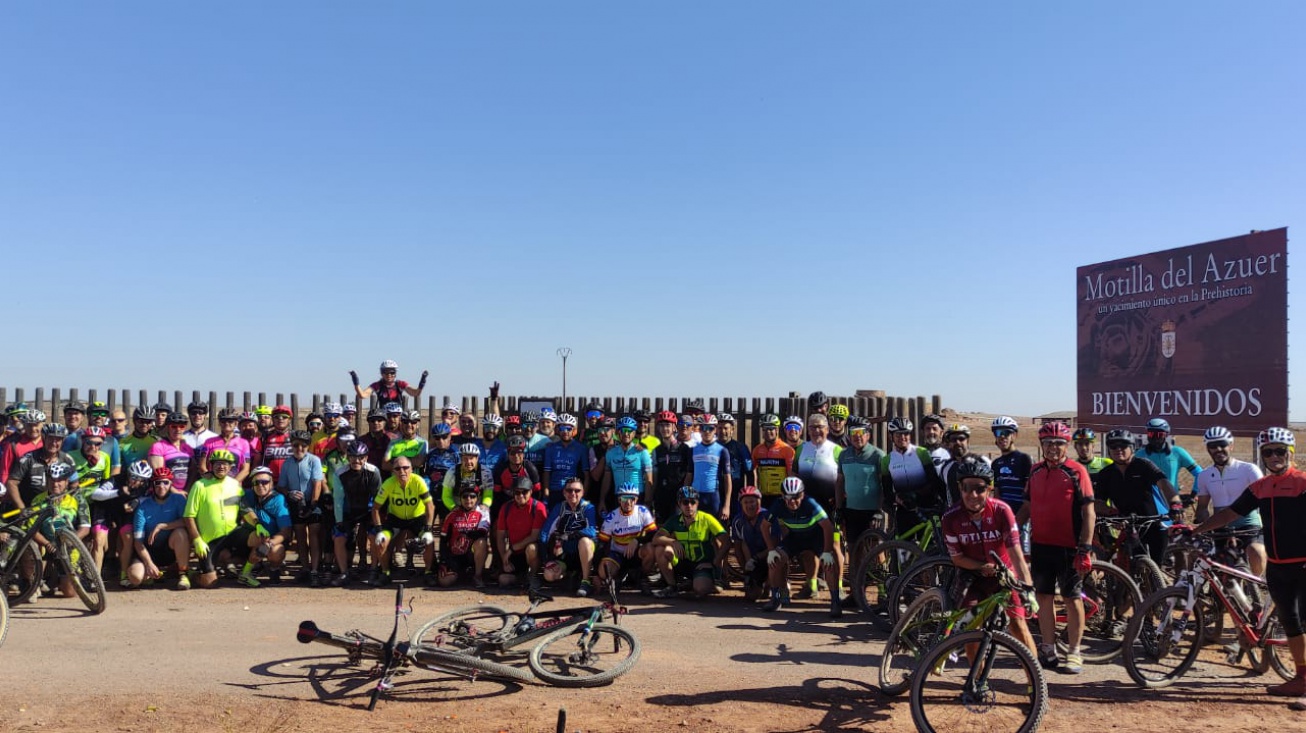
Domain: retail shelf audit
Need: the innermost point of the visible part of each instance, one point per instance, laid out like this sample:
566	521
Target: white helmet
1218	434
140	470
708	419
469	449
548	414
793	421
492	420
792	486
1279	436
567	419
388	364
1002	422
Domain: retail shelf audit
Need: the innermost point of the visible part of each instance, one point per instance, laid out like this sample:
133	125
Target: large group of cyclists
949	551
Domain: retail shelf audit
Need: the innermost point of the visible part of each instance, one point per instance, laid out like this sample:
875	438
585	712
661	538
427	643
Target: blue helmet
441	428
687	492
626	423
628	490
1157	423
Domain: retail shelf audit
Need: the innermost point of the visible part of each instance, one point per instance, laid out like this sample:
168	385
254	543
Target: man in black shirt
1127	486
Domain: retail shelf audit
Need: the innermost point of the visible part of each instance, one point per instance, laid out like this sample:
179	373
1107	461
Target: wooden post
39	403
294	409
54	404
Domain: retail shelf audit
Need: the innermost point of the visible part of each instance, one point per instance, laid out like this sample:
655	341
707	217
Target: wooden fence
747	410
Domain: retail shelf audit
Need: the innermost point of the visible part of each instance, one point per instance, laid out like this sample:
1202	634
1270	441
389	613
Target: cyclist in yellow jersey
409	512
72	513
689	546
212	512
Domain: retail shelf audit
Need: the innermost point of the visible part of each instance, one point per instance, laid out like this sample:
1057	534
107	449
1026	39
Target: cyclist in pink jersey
173	452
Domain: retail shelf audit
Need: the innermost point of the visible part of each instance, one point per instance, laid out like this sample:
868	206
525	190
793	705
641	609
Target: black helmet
900	425
375	413
301	436
1120	437
972	466
524	482
858	422
228	413
176	418
817	399
358	448
162	407
74	406
932	418
198	406
143	413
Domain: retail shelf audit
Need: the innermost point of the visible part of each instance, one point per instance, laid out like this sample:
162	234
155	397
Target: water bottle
1239	596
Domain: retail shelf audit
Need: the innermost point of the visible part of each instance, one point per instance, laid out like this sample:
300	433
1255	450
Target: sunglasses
1003	433
1119	446
315	424
572	491
264	482
389	371
1274	452
593	415
521	492
857	431
974	490
688	502
403	468
95	443
565	428
627	431
163	482
769	427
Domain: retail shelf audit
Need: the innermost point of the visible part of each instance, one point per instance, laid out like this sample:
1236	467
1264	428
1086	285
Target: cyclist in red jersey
980	524
1059	506
276	444
389	388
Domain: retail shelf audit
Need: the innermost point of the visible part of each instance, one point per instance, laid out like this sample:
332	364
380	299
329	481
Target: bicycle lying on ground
23	565
572	647
392	656
1166	635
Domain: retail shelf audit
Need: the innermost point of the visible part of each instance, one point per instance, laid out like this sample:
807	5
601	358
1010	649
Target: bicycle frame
1207	574
515	634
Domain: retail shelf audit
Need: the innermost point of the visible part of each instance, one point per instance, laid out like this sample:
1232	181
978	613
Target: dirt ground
227	660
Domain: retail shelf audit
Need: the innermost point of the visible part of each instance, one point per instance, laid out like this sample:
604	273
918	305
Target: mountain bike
392	656
23	564
883	561
1165	637
1119	539
599	653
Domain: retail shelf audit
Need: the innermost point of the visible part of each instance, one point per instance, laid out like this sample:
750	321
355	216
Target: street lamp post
564	352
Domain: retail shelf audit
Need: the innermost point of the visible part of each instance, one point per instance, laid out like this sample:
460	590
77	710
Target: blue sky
697	198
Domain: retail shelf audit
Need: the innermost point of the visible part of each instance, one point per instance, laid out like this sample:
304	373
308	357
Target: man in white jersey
1218	487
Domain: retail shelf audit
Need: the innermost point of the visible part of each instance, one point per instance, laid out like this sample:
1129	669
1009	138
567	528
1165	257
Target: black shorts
1287	583
795	544
632	564
519	563
238	541
857	521
1053	567
460	564
348	527
208	563
395	525
160	552
302	513
109	513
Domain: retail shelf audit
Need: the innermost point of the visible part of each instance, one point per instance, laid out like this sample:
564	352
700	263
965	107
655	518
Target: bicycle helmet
228	413
248	416
1084	435
748	491
33	417
667	416
313	415
956	429
348	409
301	436
1218	434
839	412
687	493
140	470
725	417
98	408
17	409
1279	436
393	408
592	408
197	406
793	422
770	421
260	471
54	429
641	416
1002	422
512	420
932	418
516	441
631	490
163	473
685	420
1158	424
548	414
75	406
389	364
58	470
282	410
332	409
791	486
608	423
626	423
694	407
440	429
817	399
708	419
857	422
357	448
469	449
900	425
1116	438
222	455
375	413
567	419
413	416
972	466
530	419
1055	430
263	410
95	431
176	418
492	421
451	409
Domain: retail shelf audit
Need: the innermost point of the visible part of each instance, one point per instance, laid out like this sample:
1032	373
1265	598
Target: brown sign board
1197	335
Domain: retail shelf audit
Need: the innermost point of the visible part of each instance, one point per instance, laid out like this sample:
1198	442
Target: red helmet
95	431
162	473
750	491
282	410
1055	430
512	420
668	416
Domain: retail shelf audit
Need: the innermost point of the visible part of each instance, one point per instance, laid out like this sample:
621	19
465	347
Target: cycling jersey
750	531
628	465
1097	464
1130	490
276	449
711	465
31	473
1010	473
90	475
438	463
619	530
1056	495
238	446
378	444
414	448
1282	503
861	477
519	521
649	442
741	460
353	491
133	447
491	454
1225	485
214	504
463	527
572	523
150	513
14	451
299	475
535	446
73	444
505	476
197	438
694	536
671	461
774	463
272	513
818	467
805	519
911	476
1170	459
177	459
458	479
564	460
69	507
995	530
385	395
403	501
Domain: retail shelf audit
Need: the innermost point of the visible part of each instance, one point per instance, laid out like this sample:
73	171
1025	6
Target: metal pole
564	352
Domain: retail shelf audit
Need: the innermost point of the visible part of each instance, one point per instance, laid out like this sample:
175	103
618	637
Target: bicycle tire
1274	656
862	544
930	571
24	589
561	662
912	638
85	577
1118	599
1147	575
1145	658
489	620
4	618
446	660
872	576
938	687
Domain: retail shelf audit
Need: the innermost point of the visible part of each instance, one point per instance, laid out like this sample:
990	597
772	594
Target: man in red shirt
517	535
21	443
1059	507
978	525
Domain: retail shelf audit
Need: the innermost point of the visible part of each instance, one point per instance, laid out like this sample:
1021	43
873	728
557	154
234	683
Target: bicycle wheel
1147	575
920	627
578	658
462	628
1163	639
79	564
23	573
4	618
446	660
872	576
931	571
1110	599
863	544
1004	692
1275	652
